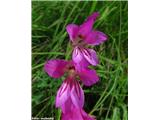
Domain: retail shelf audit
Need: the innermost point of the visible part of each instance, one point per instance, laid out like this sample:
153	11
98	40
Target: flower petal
88	77
76	114
62	94
93	16
72	30
67	106
86	27
55	68
86	116
95	38
78	59
66	116
90	56
77	95
77	55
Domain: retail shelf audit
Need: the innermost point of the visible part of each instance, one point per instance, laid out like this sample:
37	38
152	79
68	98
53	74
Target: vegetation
108	99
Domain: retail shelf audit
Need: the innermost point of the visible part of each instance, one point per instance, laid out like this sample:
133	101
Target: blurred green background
108	99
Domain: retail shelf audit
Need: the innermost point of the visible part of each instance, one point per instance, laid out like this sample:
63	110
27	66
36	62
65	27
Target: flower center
81	36
71	72
79	41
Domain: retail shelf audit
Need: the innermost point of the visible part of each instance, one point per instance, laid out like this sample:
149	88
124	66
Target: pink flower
70	93
84	35
57	68
76	114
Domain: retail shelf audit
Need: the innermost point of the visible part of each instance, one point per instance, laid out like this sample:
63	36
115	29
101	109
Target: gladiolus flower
70	91
84	35
57	68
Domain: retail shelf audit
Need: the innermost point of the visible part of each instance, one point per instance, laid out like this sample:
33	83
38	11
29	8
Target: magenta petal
82	64
78	59
77	95
66	116
77	55
67	106
90	56
86	116
55	68
88	77
93	16
76	114
86	27
72	30
95	38
62	94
